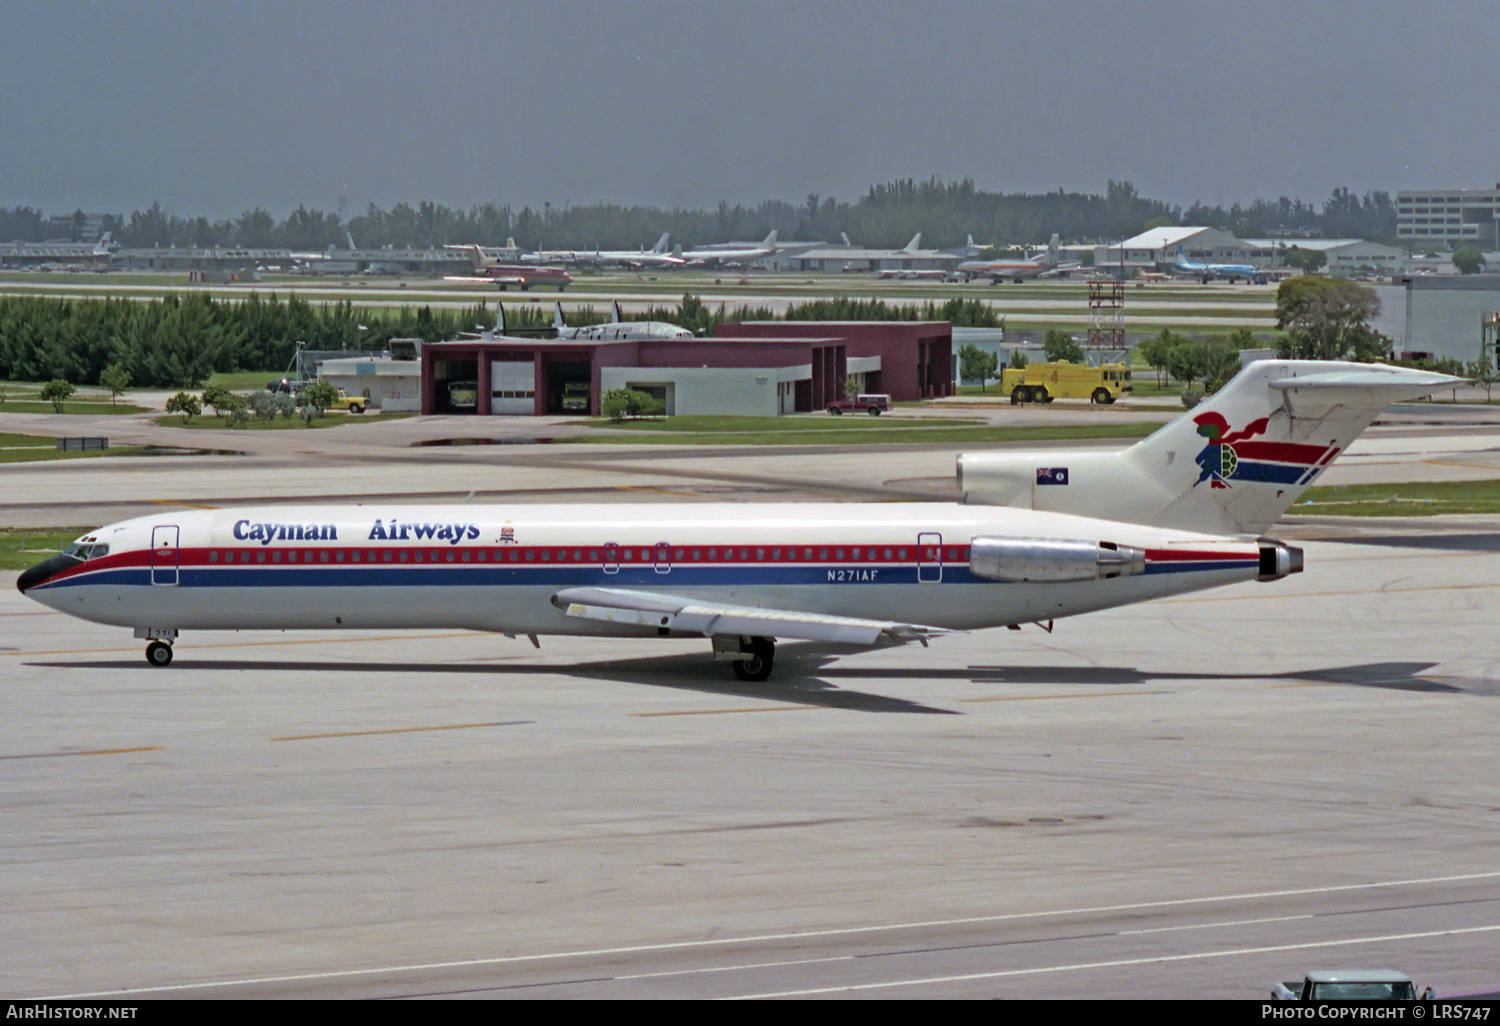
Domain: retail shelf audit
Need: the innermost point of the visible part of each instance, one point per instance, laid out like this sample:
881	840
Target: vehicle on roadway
357	403
1044	382
1350	985
1042	535
873	404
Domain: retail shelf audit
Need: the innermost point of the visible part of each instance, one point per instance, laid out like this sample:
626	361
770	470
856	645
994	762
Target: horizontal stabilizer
673	612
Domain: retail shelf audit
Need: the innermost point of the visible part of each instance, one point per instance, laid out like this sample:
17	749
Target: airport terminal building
755	369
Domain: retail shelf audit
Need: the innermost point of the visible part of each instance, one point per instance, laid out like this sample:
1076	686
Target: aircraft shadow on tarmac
808	675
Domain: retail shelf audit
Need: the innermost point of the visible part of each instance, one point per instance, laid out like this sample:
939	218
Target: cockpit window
81	551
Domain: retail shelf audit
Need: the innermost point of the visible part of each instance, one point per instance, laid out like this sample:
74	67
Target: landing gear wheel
758	666
1020	394
1101	397
159	653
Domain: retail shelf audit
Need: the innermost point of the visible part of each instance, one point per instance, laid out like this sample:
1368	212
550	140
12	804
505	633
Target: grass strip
1409	499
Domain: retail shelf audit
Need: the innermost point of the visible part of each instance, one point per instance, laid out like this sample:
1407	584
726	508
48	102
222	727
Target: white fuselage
496	568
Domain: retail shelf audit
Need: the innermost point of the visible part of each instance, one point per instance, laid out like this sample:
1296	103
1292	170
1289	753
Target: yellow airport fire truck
1044	382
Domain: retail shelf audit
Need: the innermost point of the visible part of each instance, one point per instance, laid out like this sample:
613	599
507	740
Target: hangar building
758	369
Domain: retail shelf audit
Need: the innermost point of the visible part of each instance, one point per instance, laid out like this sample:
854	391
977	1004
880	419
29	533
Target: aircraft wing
674	612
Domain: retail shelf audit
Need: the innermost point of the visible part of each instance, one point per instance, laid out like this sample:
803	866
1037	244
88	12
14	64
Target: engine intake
1048	560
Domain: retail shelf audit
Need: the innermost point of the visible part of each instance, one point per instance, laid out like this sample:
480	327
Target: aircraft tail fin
557	316
614	312
1230	466
499	318
770	242
350	237
661	243
1052	248
845	237
914	244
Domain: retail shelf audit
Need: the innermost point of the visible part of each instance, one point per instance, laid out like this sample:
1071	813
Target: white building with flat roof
1346	257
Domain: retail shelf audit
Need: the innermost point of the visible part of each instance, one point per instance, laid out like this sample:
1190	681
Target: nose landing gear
159	652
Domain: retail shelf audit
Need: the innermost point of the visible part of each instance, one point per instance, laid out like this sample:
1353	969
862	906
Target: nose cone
45	571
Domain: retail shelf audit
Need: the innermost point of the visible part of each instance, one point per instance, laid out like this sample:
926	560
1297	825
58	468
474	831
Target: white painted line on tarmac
1120	963
719	942
1211	926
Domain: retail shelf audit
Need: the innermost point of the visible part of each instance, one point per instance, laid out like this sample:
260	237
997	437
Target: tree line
887	215
179	341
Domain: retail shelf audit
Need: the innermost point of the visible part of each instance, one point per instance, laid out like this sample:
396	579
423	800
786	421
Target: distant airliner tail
914	244
1230	466
661	243
557	316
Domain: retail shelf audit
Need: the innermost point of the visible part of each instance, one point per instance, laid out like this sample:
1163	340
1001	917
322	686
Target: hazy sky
213	108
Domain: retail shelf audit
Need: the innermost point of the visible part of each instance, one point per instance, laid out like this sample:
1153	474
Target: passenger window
387	555
744	555
244	557
450	555
713	553
822	553
807	554
323	556
677	555
760	555
546	555
276	556
697	555
467	557
887	553
213	557
402	556
531	555
775	553
260	557
339	556
839	555
417	555
901	554
578	555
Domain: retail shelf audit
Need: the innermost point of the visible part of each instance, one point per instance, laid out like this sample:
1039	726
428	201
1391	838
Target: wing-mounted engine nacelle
1048	560
1278	560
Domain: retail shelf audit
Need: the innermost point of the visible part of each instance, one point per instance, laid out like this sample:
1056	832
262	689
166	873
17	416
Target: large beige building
1448	216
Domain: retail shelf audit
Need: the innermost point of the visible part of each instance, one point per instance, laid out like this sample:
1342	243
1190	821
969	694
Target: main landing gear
752	656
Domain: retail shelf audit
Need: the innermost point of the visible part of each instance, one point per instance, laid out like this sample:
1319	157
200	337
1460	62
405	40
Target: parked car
872	404
1350	985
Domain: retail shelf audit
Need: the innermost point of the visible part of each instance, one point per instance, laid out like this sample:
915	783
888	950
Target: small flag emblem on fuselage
1051	475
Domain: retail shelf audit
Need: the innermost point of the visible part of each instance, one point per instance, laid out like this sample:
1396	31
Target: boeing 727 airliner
1040	536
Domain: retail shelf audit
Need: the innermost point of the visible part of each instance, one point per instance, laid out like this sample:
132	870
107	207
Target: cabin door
164	555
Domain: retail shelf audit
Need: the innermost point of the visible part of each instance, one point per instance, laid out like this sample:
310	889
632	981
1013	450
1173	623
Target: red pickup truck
874	405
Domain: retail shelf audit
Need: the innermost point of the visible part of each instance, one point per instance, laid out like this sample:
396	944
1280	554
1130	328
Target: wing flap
669	612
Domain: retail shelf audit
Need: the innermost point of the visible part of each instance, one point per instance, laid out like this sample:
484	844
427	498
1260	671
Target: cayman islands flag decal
1238	456
1051	475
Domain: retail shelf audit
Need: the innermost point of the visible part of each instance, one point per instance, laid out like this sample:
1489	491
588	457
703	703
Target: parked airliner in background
727	256
1043	264
1041	536
617	329
1208	272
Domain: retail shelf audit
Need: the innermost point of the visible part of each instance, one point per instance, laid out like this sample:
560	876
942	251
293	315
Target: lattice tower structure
1106	316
